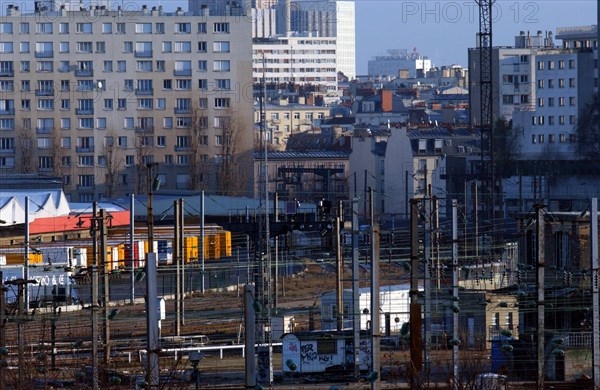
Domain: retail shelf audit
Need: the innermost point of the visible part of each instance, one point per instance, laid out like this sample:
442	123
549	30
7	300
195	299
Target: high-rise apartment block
95	95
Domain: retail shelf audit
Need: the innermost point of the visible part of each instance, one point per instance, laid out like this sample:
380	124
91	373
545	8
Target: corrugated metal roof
288	155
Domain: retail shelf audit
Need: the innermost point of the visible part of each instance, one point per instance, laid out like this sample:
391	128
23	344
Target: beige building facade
96	95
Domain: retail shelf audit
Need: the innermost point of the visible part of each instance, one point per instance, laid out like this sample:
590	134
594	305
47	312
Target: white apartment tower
95	95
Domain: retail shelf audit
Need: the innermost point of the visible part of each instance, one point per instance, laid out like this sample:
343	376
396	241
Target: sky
440	30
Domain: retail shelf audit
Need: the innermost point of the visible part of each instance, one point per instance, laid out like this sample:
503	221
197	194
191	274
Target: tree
144	143
113	162
58	153
233	169
506	147
198	158
588	129
25	145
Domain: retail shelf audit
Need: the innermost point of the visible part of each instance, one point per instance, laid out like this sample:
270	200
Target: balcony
182	111
181	148
84	149
44	54
182	72
85	88
144	92
9	111
43	130
145	129
86	111
143	54
7	73
84	73
44	92
86	187
7	151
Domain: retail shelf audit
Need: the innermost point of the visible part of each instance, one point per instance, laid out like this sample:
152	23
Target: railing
7	73
43	130
181	148
44	54
144	92
143	54
44	92
84	73
144	129
10	111
86	111
182	110
182	72
86	187
84	149
575	339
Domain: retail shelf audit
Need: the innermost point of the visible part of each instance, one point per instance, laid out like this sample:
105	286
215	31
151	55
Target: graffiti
324	359
293	347
307	353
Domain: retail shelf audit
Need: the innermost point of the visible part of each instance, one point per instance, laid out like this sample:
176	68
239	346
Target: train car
18	258
165	252
53	284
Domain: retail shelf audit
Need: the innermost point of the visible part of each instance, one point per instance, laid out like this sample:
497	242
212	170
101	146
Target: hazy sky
440	30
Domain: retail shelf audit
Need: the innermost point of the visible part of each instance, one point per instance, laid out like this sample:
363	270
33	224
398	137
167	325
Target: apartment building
95	95
300	59
399	63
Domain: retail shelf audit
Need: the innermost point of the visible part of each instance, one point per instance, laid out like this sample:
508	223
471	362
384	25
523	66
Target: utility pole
416	341
595	292
94	301
201	243
106	293
182	258
455	293
22	316
276	279
428	205
131	253
541	331
355	288
152	363
176	256
2	330
250	335
27	251
375	300
339	267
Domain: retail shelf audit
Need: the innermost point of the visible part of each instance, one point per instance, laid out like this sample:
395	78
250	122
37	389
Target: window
86	181
540	83
63	47
143	28
122	141
221	28
161	141
182	142
45	163
46	104
561	119
168	159
167	47
222	84
84	28
551	120
160	65
42	28
25	67
183	104
65	85
203	102
221	65
7	144
107	28
571	83
25	104
540	65
572	100
6	47
86	123
6	28
561	64
168	122
183	47
218	140
143	49
44	143
65	124
144	66
23	28
221	122
183	28
561	101
7	162
108	66
562	138
183	84
184	122
86	161
541	119
203	84
524	59
7	124
65	142
183	68
167	84
221	46
101	123
24	47
128	123
572	119
128	47
100	47
571	64
145	104
550	83
540	102
65	104
202	28
541	138
161	103
159	28
221	102
121	28
183	159
561	83
551	65
121	104
84	47
551	138
202	65
63	28
121	66
129	160
202	47
533	139
550	102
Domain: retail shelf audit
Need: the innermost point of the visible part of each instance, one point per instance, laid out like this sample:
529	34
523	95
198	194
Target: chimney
386	100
